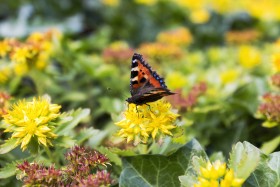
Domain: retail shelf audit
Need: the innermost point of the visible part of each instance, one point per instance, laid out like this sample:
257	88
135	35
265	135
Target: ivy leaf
267	172
158	170
244	158
9	145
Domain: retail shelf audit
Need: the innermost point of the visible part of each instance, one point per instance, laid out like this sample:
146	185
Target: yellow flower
112	3
117	52
276	45
4	48
5	73
36	37
189	4
21	54
243	36
216	174
249	57
21	68
228	76
176	80
276	62
143	121
199	16
230	181
178	37
41	61
160	50
31	120
214	54
119	45
213	171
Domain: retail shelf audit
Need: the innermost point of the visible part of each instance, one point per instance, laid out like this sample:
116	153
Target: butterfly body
145	85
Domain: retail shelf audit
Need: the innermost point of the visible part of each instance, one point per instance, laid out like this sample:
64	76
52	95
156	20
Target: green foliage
267	173
231	49
244	158
158	170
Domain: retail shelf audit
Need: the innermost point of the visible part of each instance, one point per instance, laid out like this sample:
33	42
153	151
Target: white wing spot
134	69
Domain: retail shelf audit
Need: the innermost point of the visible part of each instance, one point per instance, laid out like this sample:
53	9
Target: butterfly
145	85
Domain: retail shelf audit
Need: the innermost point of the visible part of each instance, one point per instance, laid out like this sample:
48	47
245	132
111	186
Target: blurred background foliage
227	46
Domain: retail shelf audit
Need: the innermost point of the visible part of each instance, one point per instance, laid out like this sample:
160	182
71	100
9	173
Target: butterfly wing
149	94
145	85
142	75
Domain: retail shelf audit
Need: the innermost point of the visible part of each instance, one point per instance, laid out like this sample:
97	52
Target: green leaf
158	170
270	124
187	180
77	115
244	158
64	141
8	170
9	145
217	156
122	152
267	172
246	96
271	145
113	157
33	146
85	134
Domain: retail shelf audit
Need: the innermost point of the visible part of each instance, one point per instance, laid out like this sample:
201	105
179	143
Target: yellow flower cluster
160	50
276	62
4	47
5	73
168	45
229	76
179	37
269	9
31	120
217	175
143	121
33	53
249	56
239	37
117	52
199	16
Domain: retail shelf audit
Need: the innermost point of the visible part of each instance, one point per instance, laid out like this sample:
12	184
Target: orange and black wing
145	85
142	75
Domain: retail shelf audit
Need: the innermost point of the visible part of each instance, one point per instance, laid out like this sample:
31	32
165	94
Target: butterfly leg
148	106
128	106
137	111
